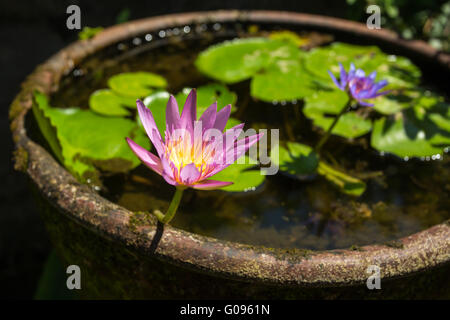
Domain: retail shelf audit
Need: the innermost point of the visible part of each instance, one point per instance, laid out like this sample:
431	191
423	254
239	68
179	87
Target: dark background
30	32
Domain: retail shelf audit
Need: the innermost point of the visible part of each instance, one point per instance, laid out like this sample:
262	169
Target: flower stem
172	207
330	129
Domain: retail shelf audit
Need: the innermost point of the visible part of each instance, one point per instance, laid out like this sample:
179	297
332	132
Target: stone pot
128	255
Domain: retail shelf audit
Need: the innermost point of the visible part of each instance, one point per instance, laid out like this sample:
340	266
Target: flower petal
150	126
380	85
365	104
222	117
243	145
211	184
172	115
148	158
234	152
208	117
343	77
189	114
360	73
168	173
189	174
335	80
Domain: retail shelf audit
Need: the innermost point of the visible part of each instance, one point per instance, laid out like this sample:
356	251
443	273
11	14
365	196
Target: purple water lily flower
189	156
360	86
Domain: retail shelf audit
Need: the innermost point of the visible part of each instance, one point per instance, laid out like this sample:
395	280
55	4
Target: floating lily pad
232	122
107	102
207	95
274	66
346	184
326	102
392	103
85	141
350	125
296	159
136	84
320	107
40	109
410	134
244	178
399	71
282	80
289	36
237	60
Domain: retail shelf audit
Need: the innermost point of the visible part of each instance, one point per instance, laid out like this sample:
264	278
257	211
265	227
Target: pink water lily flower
190	154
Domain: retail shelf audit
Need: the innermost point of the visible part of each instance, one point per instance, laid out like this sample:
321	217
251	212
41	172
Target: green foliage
295	159
322	105
420	19
136	84
123	16
244	178
271	64
107	102
288	36
414	132
399	71
88	32
207	95
85	142
298	160
125	89
346	184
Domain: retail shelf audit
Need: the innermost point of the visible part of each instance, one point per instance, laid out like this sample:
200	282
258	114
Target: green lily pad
107	102
322	59
295	159
350	125
400	100
289	36
40	109
239	59
207	95
88	32
243	177
421	129
441	117
398	71
346	184
323	103
282	80
392	103
412	134
136	84
85	141
274	65
232	122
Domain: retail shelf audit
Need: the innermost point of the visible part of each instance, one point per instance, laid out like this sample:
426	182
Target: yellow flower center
181	151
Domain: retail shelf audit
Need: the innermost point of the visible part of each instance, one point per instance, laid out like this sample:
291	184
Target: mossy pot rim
140	233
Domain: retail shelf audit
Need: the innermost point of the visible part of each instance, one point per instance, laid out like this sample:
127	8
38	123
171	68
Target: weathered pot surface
144	242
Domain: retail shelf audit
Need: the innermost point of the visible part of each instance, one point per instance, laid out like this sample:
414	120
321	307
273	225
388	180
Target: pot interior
402	195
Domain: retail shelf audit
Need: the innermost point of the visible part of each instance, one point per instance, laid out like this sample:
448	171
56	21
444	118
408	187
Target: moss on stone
140	218
20	159
355	247
394	244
